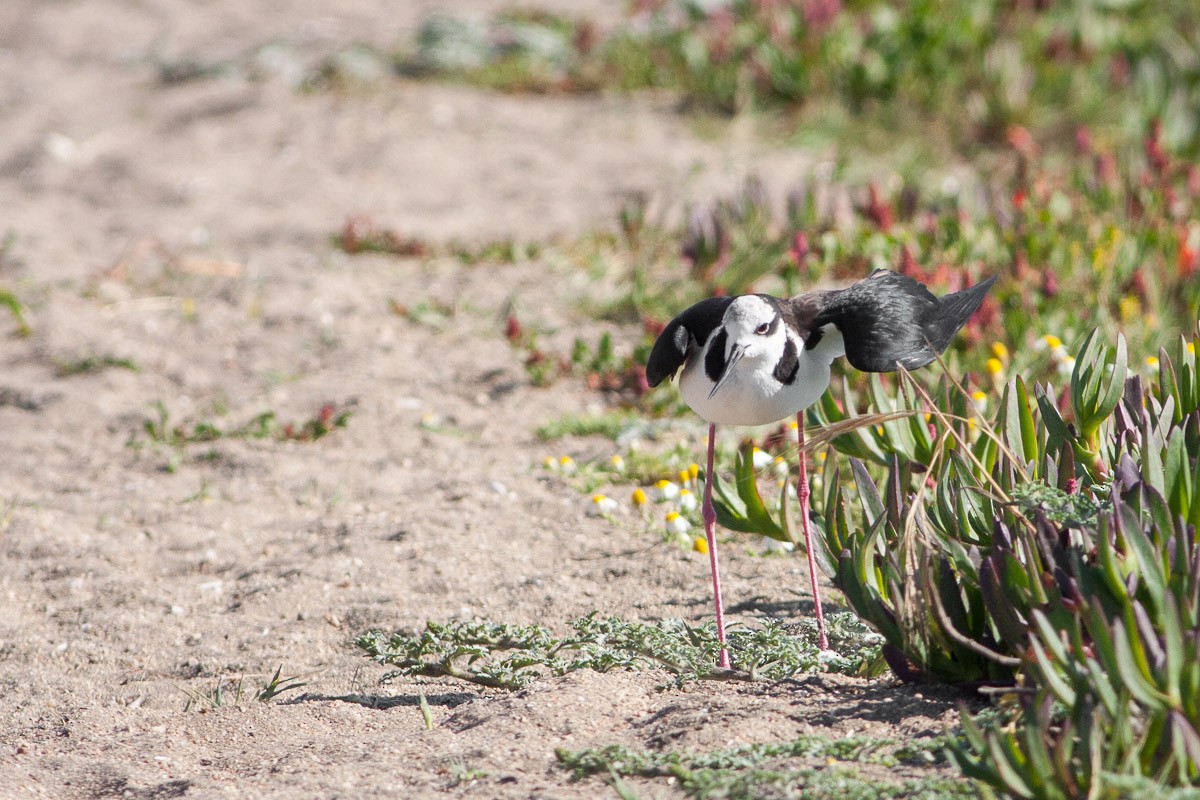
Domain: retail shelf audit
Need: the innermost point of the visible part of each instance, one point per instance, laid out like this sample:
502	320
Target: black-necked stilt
757	359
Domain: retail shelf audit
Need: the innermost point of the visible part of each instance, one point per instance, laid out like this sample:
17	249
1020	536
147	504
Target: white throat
752	395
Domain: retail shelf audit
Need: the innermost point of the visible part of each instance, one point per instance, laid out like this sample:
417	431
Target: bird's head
754	325
754	330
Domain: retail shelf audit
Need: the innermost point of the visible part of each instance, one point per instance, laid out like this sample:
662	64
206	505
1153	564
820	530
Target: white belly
752	396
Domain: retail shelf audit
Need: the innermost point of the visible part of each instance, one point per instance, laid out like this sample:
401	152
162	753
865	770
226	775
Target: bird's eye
761	330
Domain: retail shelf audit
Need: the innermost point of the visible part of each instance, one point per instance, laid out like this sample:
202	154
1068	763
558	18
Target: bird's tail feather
953	311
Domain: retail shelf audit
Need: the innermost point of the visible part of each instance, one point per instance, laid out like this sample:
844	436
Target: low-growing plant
513	656
91	364
234	693
964	73
768	770
163	434
17	309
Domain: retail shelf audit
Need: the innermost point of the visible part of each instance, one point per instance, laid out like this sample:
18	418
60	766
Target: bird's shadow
880	701
385	702
780	609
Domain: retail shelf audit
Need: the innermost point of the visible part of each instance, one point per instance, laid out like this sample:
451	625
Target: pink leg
802	493
710	525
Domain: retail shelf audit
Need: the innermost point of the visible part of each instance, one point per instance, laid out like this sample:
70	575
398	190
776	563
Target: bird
756	359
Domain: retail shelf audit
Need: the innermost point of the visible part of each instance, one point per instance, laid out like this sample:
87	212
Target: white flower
761	459
1049	341
1066	365
677	523
566	465
687	500
781	466
601	504
665	490
618	463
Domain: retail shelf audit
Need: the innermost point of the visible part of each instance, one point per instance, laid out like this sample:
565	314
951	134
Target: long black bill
735	356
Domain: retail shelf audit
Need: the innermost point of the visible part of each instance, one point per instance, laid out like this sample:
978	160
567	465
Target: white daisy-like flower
761	459
566	465
1054	344
1066	365
677	523
665	490
981	399
1047	342
687	500
600	504
618	463
780	466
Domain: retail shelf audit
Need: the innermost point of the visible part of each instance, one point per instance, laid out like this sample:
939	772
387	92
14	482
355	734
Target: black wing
889	319
671	348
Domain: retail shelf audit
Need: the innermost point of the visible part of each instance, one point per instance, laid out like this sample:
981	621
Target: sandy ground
186	227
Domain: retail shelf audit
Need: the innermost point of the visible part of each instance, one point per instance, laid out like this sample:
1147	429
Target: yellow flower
994	367
665	490
980	398
1192	348
693	470
685	475
567	465
1151	362
1129	307
1000	351
618	463
676	522
639	498
700	545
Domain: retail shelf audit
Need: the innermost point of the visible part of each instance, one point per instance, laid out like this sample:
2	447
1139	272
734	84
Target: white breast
751	395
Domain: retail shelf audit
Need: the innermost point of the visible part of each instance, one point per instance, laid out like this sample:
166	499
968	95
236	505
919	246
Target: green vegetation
162	435
513	656
962	73
92	364
762	771
230	693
